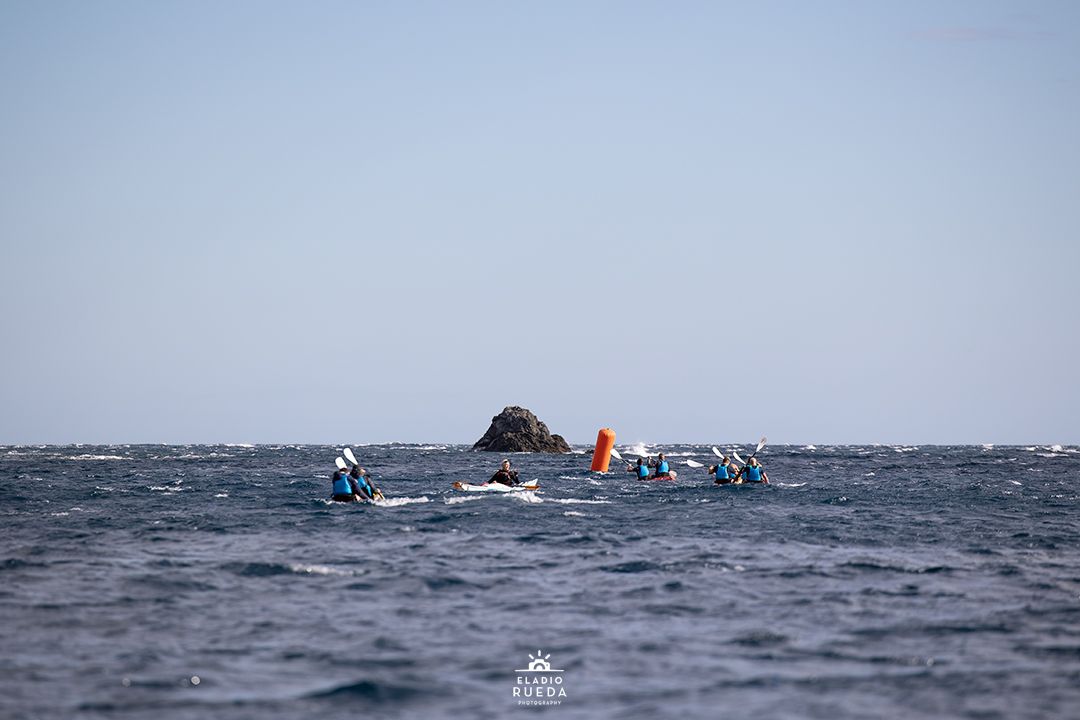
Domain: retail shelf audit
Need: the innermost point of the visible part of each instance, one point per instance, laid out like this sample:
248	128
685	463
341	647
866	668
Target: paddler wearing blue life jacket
641	469
360	480
663	469
754	473
342	489
724	472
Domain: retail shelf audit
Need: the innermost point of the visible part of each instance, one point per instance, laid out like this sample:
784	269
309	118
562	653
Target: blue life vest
341	485
723	472
365	486
663	468
753	473
643	471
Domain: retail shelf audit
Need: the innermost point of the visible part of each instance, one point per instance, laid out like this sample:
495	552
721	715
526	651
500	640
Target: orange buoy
605	441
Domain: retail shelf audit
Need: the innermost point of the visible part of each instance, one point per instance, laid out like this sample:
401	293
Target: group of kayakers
355	485
727	472
649	469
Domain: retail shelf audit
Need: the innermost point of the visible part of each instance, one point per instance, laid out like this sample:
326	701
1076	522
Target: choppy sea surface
218	582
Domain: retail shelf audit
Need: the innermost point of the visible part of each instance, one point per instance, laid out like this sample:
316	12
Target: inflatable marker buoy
605	441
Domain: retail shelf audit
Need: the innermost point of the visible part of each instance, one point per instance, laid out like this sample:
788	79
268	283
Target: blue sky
324	222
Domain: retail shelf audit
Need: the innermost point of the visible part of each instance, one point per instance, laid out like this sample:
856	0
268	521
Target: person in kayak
753	473
641	469
504	475
360	481
342	489
663	469
724	472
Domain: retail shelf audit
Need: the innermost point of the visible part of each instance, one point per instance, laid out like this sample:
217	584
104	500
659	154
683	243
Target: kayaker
754	473
359	480
505	475
724	472
641	469
342	490
663	469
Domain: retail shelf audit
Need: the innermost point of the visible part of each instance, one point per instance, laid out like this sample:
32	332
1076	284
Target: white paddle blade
340	462
717	453
615	454
695	464
735	454
349	456
761	443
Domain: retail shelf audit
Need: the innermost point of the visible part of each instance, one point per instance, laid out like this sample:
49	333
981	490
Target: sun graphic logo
539	683
540	663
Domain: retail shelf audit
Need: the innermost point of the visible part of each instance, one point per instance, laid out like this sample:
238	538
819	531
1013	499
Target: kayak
495	487
670	477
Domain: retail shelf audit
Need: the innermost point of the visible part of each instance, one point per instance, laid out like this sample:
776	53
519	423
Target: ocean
197	581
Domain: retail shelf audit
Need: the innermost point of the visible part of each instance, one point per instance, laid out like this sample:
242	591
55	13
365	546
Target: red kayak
671	476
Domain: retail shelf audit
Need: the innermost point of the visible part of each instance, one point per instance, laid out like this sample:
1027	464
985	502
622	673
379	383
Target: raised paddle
717	453
349	456
695	464
340	462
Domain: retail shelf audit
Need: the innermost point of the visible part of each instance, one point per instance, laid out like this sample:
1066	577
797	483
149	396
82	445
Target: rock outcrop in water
516	429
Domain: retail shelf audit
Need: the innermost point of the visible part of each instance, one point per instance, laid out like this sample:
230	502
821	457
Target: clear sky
384	221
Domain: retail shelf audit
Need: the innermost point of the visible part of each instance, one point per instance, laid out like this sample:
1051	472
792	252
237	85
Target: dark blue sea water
216	582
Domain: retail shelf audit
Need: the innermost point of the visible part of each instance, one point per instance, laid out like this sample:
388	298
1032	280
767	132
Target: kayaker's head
753	461
660	456
355	472
725	461
640	461
505	464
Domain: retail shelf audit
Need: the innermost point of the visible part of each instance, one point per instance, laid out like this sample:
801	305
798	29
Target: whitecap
317	570
573	513
579	501
97	457
398	502
790	484
526	496
457	499
222	495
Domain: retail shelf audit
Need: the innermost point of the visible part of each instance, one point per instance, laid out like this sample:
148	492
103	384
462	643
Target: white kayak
495	487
